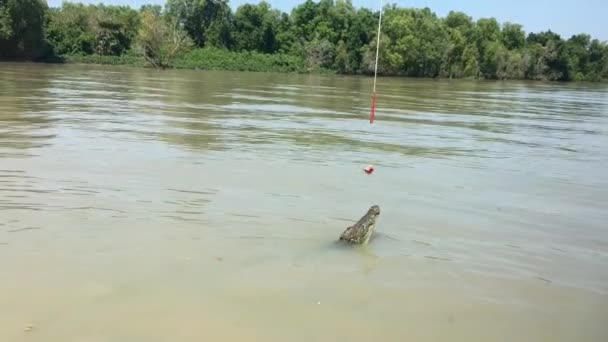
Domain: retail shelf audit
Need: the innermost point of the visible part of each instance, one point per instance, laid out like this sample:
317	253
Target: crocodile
360	232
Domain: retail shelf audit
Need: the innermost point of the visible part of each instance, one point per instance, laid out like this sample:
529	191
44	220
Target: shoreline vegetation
328	36
206	59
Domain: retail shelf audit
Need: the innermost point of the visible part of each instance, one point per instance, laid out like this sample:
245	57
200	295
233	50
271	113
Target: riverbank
314	37
209	59
225	60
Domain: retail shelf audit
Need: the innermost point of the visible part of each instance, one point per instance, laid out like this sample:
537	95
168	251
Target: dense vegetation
324	35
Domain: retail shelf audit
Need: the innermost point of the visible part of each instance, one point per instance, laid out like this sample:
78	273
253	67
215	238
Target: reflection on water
153	206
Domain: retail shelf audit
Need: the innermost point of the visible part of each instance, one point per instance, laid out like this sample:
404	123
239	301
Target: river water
139	205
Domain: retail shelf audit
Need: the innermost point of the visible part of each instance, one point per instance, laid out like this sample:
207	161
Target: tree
597	62
470	61
542	38
255	28
6	22
357	32
114	28
104	30
534	63
513	36
319	54
545	56
160	40
156	9
70	30
556	59
387	60
327	34
219	32
516	66
305	18
418	41
22	29
460	29
494	61
287	39
207	22
488	37
603	69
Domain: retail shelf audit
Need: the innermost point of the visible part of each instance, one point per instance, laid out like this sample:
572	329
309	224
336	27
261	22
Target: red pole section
372	112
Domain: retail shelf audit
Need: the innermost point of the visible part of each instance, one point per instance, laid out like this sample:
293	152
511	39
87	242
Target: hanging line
372	112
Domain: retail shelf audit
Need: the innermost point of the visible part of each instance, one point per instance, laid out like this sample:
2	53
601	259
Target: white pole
377	47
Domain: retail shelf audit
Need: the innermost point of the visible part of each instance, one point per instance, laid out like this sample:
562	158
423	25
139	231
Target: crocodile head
372	217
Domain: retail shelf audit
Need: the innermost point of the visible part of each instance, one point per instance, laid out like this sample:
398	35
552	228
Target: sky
565	17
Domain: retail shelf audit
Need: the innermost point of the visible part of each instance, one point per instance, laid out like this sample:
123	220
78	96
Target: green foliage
318	35
6	22
417	42
156	9
459	27
22	29
159	41
470	61
104	30
586	58
69	30
126	59
255	28
221	59
208	22
357	31
115	29
319	54
513	36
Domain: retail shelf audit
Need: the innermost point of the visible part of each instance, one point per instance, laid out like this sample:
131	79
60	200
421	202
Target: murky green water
138	205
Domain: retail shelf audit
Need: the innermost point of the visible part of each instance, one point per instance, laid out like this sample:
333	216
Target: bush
219	59
128	59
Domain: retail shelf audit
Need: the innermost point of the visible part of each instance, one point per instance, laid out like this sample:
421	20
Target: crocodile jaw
368	234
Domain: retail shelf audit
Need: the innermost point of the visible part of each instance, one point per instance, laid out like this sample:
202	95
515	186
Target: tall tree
160	40
488	37
460	29
114	28
513	36
418	42
208	22
255	28
22	29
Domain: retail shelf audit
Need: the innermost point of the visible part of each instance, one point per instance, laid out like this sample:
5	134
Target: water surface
138	205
